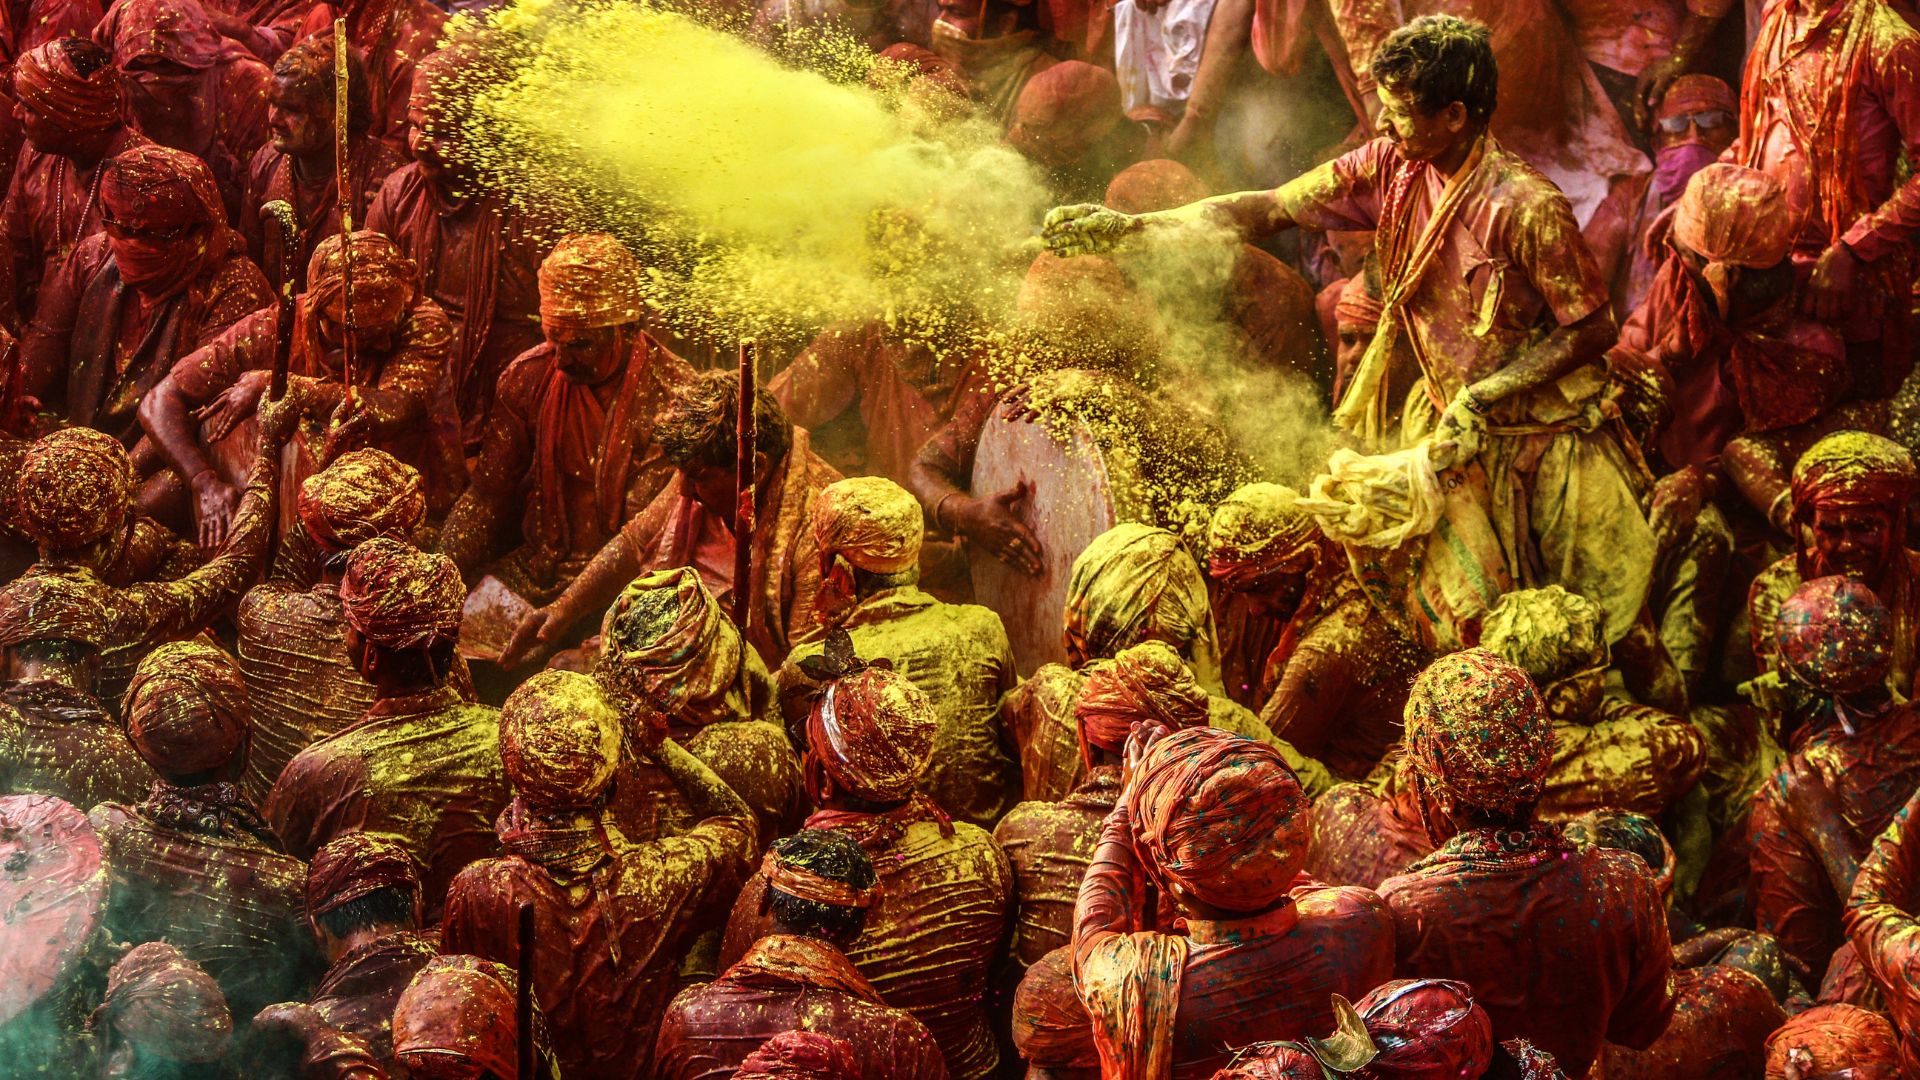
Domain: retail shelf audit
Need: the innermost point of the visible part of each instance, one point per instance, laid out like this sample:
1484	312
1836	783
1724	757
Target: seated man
1336	683
422	764
867	531
1606	752
193	862
1050	844
399	400
162	1017
1882	926
612	916
1135	583
571	435
931	941
1565	948
458	1020
690	523
819	890
364	904
292	648
166	277
1814	820
1220	824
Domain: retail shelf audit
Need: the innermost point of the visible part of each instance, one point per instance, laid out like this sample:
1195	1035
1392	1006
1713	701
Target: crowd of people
419	659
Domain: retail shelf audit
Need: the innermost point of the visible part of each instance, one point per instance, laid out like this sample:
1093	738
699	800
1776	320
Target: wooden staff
743	492
343	190
286	229
523	998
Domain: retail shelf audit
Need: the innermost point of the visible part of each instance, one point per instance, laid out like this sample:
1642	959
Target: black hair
1437	60
699	427
56	651
391	906
307	69
831	855
86	55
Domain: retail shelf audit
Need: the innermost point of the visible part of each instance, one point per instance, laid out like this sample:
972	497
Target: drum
53	896
1083	482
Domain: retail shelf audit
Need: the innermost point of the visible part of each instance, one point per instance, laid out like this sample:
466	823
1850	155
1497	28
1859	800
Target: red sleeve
246	345
1886	890
472	925
1792	899
1641	1015
1547	246
1890	227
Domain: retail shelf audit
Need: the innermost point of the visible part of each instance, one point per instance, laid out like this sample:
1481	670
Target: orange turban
1063	111
1478	733
357	864
1051	1028
163	1004
460	1007
186	709
385	282
1221	817
667	649
75	487
1834	1038
1357	308
400	597
1083	308
559	740
872	733
1159	184
588	281
1695	93
801	1055
872	522
1148	682
361	495
1733	216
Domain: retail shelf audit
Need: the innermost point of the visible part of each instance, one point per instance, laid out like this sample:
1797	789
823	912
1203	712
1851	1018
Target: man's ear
1455	116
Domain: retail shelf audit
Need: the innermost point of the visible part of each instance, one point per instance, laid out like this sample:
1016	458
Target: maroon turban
1834	1038
1853	469
460	1007
1160	184
361	495
559	740
357	864
46	81
1273	1061
158	194
801	1055
164	1005
1478	733
1064	110
1220	816
75	487
1426	1029
1148	682
176	30
1051	1028
1834	635
400	597
186	709
45	606
872	733
386	284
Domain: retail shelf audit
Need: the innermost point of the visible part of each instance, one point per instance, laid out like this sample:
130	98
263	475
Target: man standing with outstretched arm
1494	320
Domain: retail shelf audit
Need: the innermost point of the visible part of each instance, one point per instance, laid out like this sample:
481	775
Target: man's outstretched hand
1086	229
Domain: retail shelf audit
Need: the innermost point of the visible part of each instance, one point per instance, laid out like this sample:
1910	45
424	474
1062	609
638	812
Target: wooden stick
343	185
279	216
523	1001
743	492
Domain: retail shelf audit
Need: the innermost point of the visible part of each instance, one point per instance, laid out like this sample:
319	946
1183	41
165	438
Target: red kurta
609	935
1050	846
1884	930
424	768
58	740
393	35
51	205
315	201
1814	820
1567	949
931	942
787	983
1266	976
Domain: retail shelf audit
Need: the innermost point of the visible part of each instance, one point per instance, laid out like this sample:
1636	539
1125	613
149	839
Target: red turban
1257	530
400	597
1478	733
459	1007
1833	1038
1273	1061
357	864
1834	635
46	606
1221	817
1357	308
46	81
559	740
667	650
872	522
1137	583
1051	1028
1148	682
176	30
158	190
386	284
75	487
1159	184
589	280
186	709
1064	111
361	495
801	1055
1852	469
1426	1029
872	733
164	1005
1695	93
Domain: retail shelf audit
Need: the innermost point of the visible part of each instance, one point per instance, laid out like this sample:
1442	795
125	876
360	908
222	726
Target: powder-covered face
1421	136
587	356
1855	541
301	123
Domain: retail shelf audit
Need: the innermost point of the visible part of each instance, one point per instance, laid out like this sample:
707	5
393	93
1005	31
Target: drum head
53	891
1080	490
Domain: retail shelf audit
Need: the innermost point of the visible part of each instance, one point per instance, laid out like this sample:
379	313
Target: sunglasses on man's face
1705	121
